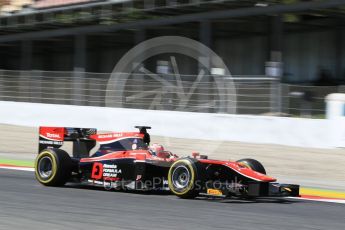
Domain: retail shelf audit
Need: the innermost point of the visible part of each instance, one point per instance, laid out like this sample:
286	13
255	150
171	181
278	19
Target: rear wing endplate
54	137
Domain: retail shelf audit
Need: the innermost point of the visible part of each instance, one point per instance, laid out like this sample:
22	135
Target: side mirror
195	154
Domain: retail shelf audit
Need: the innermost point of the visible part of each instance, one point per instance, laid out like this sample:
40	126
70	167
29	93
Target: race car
127	161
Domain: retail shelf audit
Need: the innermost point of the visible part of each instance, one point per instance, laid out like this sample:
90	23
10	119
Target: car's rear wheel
53	167
183	177
253	164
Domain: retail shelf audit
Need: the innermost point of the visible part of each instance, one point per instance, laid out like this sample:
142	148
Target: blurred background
284	56
279	58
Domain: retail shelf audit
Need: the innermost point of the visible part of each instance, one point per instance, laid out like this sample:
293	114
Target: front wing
251	190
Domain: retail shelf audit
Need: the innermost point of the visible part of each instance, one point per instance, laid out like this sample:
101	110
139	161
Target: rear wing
54	137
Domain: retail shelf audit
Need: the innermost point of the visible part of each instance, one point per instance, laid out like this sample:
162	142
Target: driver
156	149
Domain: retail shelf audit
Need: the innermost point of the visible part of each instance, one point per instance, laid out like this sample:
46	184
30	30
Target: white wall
315	133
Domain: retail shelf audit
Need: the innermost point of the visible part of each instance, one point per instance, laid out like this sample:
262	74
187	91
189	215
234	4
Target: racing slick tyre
253	164
182	178
53	167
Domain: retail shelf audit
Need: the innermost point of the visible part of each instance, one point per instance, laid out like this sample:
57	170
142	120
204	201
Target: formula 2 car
126	161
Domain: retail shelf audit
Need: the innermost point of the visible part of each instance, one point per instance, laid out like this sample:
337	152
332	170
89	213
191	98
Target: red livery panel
52	133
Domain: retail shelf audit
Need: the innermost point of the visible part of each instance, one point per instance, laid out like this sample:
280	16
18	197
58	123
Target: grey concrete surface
25	204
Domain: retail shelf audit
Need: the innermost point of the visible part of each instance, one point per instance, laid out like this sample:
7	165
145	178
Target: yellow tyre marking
170	183
54	166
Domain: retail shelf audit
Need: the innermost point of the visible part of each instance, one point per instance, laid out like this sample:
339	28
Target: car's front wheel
183	177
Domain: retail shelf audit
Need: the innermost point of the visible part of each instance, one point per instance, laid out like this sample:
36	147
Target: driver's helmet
156	149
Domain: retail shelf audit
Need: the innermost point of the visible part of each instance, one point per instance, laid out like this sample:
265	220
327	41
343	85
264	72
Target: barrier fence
207	93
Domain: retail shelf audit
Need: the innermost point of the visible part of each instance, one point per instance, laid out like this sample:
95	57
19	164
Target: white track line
18	168
321	200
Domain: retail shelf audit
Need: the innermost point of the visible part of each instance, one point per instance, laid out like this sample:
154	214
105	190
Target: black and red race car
126	161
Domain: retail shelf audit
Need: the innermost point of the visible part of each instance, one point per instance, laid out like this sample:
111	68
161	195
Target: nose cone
249	173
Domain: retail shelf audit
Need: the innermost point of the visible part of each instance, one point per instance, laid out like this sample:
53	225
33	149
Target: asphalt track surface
25	204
